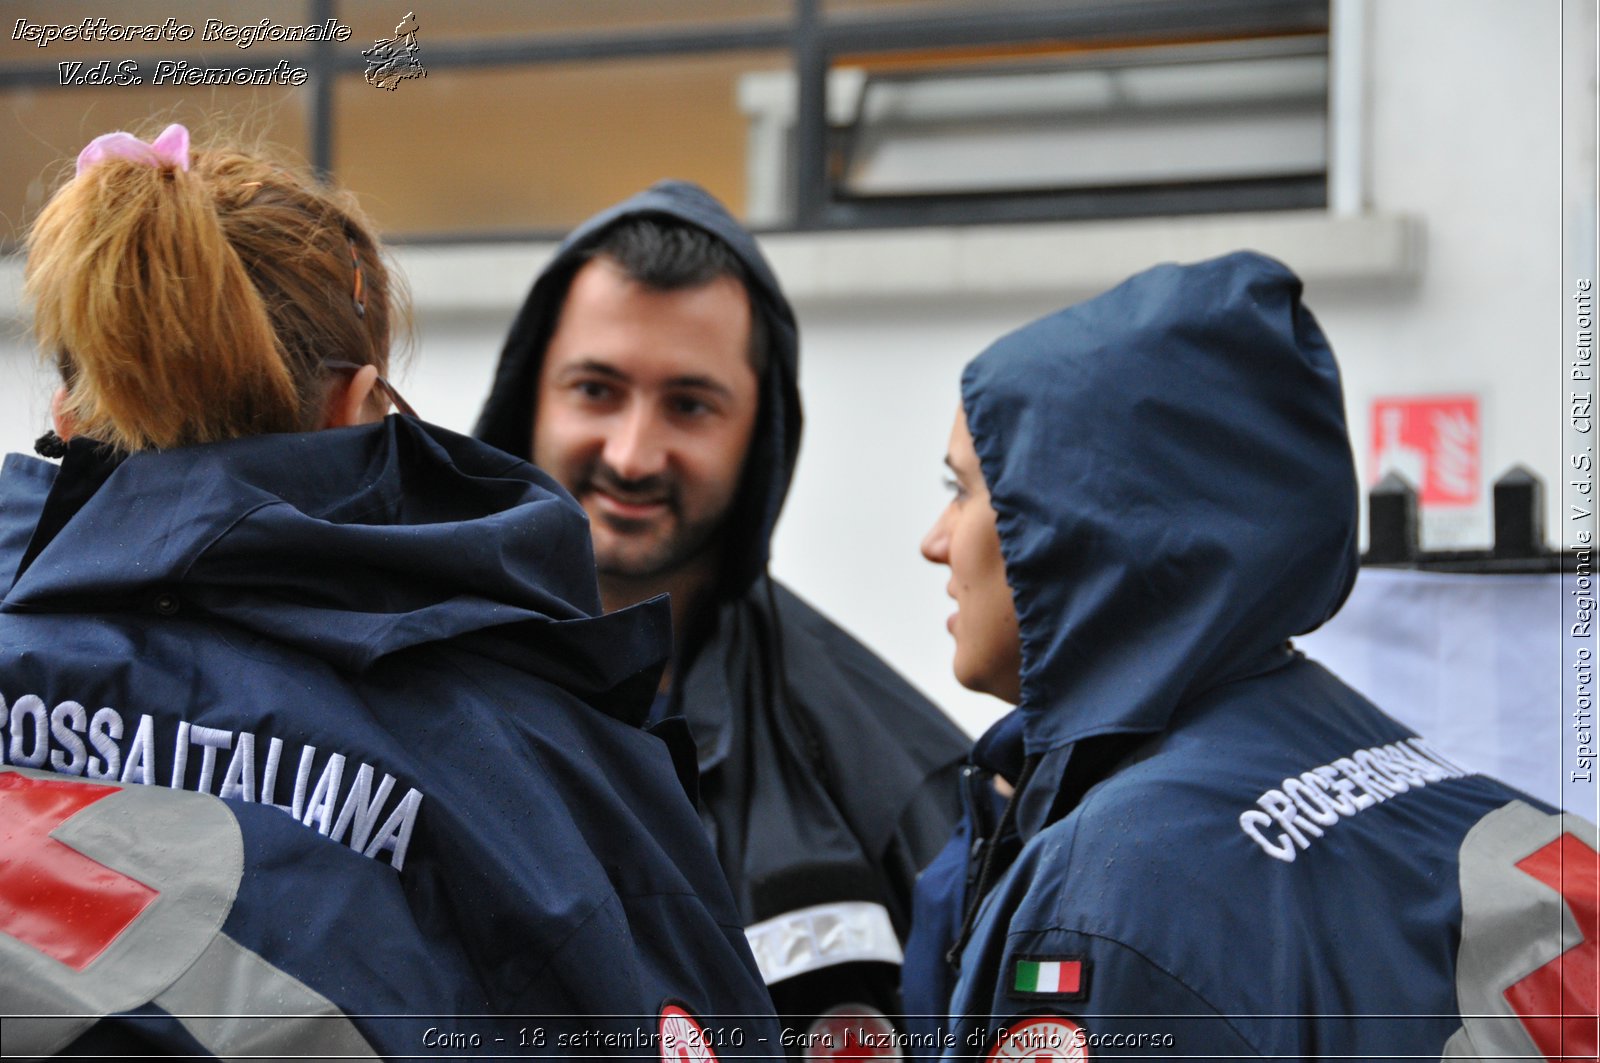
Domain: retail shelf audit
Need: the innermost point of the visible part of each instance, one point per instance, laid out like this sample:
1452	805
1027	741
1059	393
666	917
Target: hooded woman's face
988	646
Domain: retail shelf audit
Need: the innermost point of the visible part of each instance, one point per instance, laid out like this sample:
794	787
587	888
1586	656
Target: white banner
1481	665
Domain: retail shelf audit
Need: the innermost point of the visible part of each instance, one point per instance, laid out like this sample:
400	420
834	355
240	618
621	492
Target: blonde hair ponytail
194	306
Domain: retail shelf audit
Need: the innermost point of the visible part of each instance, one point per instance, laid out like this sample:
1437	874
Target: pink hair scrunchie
171	148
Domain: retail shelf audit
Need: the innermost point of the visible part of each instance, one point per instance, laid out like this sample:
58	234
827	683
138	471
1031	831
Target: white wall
1463	112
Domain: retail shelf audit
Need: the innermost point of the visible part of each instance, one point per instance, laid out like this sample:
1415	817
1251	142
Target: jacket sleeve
1055	990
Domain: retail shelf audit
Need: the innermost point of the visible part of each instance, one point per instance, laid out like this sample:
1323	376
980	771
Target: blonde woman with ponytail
197	300
312	735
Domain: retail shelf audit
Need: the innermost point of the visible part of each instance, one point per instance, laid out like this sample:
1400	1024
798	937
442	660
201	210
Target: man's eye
954	487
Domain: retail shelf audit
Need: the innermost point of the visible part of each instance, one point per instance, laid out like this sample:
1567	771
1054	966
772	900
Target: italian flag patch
1055	977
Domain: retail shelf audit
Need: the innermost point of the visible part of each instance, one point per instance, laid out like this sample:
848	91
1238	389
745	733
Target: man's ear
61	421
349	400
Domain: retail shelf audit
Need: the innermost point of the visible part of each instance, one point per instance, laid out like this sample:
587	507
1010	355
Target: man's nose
636	446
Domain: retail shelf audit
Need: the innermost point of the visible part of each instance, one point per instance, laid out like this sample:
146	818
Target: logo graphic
392	61
65	904
1433	442
682	1037
1526	973
1041	1039
109	894
852	1032
1557	1001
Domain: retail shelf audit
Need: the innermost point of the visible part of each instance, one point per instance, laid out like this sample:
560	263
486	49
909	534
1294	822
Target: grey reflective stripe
809	939
240	1006
1511	925
1459	1047
186	846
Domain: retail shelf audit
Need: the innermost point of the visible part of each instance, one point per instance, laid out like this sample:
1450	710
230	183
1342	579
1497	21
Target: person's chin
635	555
974	676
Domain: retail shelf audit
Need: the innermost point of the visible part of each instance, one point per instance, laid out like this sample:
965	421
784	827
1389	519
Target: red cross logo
52	897
683	1040
852	1033
1558	1002
854	1049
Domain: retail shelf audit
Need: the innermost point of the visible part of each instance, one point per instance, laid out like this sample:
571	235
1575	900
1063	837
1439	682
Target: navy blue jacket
334	728
1215	847
826	780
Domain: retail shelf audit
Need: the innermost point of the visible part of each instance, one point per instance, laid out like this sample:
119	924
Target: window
800	114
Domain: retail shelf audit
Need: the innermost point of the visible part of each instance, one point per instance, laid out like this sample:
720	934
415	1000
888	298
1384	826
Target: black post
1392	522
811	117
1518	514
323	71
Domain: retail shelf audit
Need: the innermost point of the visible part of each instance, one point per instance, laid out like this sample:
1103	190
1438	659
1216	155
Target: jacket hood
1174	490
507	417
348	544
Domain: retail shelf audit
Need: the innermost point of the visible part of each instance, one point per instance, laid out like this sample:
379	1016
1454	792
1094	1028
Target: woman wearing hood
315	741
1188	839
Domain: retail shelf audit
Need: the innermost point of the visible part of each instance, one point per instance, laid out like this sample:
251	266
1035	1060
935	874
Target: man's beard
651	549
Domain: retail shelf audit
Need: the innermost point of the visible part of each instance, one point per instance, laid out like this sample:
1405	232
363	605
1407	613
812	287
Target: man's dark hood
1174	489
507	417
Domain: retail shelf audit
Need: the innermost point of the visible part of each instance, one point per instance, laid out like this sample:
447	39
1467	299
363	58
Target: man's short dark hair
667	254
